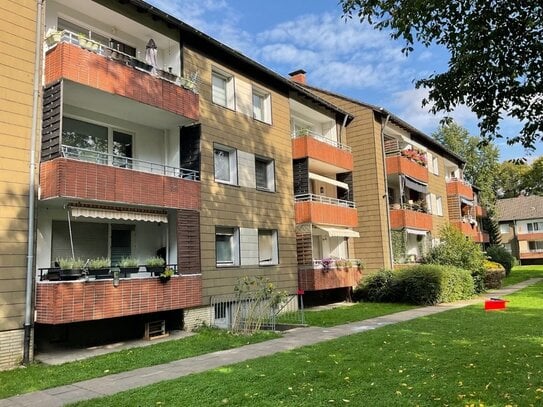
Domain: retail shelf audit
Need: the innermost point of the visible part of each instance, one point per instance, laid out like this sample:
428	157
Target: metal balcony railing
111	160
111	53
321	138
324	200
336	263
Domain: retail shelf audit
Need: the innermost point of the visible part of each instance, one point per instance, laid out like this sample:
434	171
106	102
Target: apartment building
521	227
157	141
406	186
18	64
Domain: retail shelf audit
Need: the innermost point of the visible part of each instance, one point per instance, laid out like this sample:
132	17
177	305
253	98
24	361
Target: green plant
431	284
457	250
128	262
155	261
70	263
99	263
500	255
167	273
377	287
398	245
358	264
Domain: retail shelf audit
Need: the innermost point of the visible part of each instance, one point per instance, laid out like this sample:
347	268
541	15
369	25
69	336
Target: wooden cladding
52	121
404	166
301	176
304	248
188	241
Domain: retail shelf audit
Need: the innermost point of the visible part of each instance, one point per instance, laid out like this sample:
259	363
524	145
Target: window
536	246
504	228
225	165
227	246
535	226
435	165
222	89
122	149
439	206
265	174
267	247
261	106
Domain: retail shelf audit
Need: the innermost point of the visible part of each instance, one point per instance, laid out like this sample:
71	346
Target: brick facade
402	165
325	214
318	279
196	317
88	68
11	348
66	178
402	218
309	147
76	301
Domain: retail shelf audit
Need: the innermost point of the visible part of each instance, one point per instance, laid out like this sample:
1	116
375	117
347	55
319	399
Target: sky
340	55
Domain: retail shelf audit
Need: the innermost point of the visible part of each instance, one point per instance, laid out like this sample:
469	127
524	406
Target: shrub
494	274
500	255
376	287
459	251
433	284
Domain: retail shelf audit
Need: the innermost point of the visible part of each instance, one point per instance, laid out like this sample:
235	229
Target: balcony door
121	242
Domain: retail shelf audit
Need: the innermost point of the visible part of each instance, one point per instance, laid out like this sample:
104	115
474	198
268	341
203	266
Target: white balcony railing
335	263
324	200
111	53
321	138
98	157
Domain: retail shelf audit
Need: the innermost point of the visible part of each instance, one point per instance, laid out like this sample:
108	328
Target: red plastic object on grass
495	304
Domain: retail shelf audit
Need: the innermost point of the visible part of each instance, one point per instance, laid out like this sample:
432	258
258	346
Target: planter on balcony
127	271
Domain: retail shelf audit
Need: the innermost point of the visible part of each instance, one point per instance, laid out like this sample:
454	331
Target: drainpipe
31	188
383	126
342	129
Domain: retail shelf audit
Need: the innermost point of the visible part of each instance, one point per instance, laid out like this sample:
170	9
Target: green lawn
460	357
521	273
352	313
39	376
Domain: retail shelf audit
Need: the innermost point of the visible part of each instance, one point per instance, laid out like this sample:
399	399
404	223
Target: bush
500	255
433	284
494	274
459	251
375	287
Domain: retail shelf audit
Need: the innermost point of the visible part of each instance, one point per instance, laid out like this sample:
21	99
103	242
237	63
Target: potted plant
359	264
326	263
83	40
155	265
166	275
70	268
128	265
99	267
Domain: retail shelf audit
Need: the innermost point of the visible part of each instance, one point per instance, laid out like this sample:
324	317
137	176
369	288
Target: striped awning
337	232
416	232
118	214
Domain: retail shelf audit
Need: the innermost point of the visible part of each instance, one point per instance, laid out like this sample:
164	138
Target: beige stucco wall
17	47
241	206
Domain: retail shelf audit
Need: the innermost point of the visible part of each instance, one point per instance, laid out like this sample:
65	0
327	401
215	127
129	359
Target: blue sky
343	56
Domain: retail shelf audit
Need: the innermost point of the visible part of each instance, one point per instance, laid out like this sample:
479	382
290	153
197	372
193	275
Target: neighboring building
521	227
406	186
18	52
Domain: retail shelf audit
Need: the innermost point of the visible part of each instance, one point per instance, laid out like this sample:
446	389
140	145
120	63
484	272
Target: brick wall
88	68
196	317
402	165
400	218
310	147
11	348
76	301
318	279
62	177
325	214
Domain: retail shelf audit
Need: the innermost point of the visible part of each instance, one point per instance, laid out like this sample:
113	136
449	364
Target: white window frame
274	260
264	115
439	206
233	163
229	89
504	228
233	233
435	165
270	174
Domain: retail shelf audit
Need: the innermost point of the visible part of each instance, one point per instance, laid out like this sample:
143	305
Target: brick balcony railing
311	208
402	165
316	148
61	302
530	236
68	178
319	279
404	218
69	61
461	188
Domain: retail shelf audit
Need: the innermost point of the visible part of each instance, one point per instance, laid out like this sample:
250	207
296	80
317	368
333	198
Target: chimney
298	76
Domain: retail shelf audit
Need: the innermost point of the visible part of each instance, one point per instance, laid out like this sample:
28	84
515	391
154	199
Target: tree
481	159
534	178
510	180
496	54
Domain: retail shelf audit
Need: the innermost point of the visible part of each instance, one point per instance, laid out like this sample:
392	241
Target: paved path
293	339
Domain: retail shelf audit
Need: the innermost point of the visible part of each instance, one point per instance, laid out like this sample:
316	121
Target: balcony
530	236
408	218
532	254
459	188
61	302
405	166
111	71
310	208
472	230
90	175
480	212
311	145
340	273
